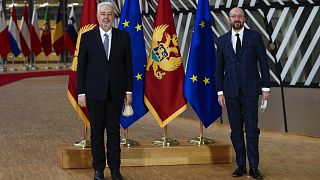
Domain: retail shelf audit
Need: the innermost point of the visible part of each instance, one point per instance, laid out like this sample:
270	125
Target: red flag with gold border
88	22
164	75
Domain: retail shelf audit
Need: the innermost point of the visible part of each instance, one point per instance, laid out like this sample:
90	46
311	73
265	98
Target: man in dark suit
239	85
104	81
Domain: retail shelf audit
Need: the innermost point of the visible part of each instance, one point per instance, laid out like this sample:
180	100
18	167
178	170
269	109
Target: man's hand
128	99
265	95
82	101
221	100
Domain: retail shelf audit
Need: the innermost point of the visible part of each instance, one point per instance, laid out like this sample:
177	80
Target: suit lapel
98	42
244	41
114	41
229	43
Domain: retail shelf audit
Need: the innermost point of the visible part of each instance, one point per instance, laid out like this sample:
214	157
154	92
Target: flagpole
201	140
58	62
128	142
25	66
34	67
2	64
165	141
12	64
85	142
48	67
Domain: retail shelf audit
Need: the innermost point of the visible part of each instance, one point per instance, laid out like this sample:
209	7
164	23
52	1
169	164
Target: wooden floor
36	116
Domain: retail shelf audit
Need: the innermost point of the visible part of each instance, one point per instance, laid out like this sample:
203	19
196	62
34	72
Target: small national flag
71	35
199	87
88	22
35	33
164	72
130	21
14	33
4	36
58	39
24	33
46	34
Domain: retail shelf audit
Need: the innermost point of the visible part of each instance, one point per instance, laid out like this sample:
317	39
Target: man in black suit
239	85
104	81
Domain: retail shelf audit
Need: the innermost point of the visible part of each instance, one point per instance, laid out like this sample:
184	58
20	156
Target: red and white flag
35	33
24	33
4	36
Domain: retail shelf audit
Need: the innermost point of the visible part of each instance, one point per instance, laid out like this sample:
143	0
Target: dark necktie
106	44
238	45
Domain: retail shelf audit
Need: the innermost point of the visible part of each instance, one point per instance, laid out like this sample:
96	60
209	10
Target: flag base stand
165	142
12	69
129	142
59	67
82	144
34	68
47	67
25	68
66	66
3	69
201	140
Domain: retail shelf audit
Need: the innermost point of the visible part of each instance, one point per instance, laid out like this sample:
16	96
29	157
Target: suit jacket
240	74
95	75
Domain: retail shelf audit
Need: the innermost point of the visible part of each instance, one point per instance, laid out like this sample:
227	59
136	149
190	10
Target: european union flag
130	21
199	87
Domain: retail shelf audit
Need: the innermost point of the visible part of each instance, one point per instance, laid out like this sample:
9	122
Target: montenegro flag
88	22
164	74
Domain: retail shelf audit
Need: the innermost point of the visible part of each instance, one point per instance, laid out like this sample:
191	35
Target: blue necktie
106	44
238	45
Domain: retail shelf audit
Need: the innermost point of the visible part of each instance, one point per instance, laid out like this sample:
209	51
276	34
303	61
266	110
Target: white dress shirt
109	33
234	38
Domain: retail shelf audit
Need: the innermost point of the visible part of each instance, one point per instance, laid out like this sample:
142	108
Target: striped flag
14	33
4	36
58	40
24	33
71	35
35	33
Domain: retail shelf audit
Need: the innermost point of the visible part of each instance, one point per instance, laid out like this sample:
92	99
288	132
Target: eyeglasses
239	16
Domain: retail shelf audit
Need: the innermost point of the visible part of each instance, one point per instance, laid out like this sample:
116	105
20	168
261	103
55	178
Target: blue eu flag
131	22
199	87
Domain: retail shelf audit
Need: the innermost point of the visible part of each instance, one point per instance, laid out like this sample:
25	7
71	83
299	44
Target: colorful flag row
160	83
27	39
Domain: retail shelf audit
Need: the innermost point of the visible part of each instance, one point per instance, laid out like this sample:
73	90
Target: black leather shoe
116	176
255	173
98	175
240	171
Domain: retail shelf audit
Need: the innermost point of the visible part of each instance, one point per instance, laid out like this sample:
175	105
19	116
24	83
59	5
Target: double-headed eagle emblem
159	56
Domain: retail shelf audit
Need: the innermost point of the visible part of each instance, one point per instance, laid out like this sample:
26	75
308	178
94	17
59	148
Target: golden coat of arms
159	57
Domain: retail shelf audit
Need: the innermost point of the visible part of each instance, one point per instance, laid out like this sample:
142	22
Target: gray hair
100	5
